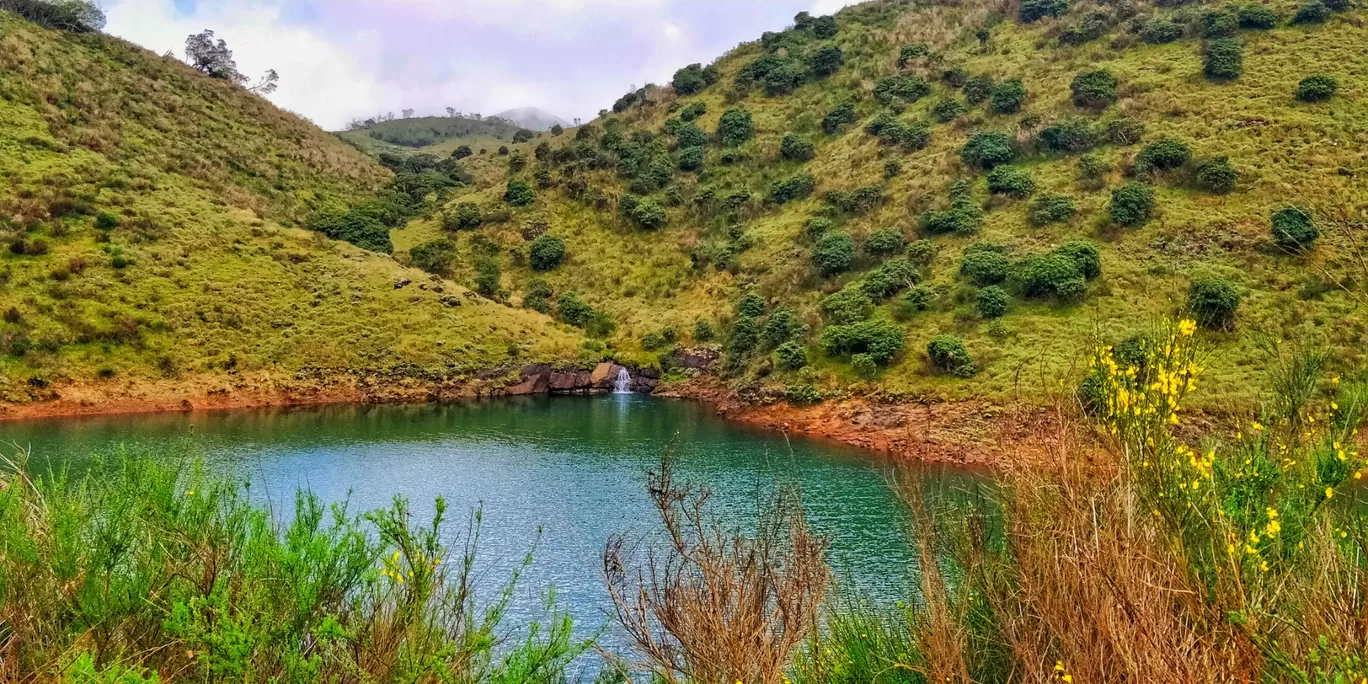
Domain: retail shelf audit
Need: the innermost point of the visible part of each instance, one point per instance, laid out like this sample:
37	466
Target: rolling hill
533	118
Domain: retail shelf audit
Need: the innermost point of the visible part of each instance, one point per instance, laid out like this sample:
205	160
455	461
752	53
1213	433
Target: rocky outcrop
545	379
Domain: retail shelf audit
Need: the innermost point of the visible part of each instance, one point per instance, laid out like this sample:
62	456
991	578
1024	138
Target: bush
892	168
519	193
1092	171
1092	26
1223	60
467	216
1052	208
689	80
703	331
1035	10
1213	302
918	298
882	243
826	61
1255	16
888	279
357	227
948	353
1293	229
790	356
546	253
649	215
824	27
487	277
106	221
984	265
987	149
816	227
947	110
978	88
1007	180
783	326
1008	96
1314	12
784	79
864	366
1069	137
1094	89
1316	88
691	158
992	302
846	306
1125	131
692	111
537	297
1052	275
1216	175
742	339
735	127
921	253
434	256
792	188
907	53
689	135
794	148
837	119
833	253
1220	23
1163	155
881	340
901	87
573	309
1160	32
1084	256
74	16
1131	205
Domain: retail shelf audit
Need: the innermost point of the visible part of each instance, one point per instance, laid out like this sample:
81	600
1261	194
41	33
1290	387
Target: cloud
342	59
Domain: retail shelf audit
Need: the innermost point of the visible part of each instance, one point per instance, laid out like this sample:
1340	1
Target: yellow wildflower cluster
395	571
1060	673
1135	399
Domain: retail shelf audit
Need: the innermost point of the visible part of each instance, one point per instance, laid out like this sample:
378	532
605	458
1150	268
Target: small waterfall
622	384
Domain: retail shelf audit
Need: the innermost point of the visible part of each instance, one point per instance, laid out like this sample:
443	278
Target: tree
75	16
519	193
523	135
451	112
211	58
408	113
546	253
689	80
557	129
267	84
434	256
735	127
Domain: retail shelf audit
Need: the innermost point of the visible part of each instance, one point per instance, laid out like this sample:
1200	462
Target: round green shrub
1035	10
1163	155
1213	302
1132	205
921	253
1052	208
1223	59
833	253
1259	17
892	168
947	110
1160	31
1052	275
546	253
901	87
977	88
573	309
519	193
794	148
1069	136
1318	88
826	61
703	331
1216	175
918	298
434	256
106	221
949	354
735	127
888	279
992	302
864	366
1313	12
1220	23
882	243
1084	256
985	265
537	297
742	339
987	149
817	226
1008	96
750	305
790	356
689	135
792	188
881	340
783	326
1006	180
848	305
648	214
693	110
691	158
1094	89
1293	229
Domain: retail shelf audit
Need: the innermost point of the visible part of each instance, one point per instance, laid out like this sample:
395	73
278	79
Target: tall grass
137	570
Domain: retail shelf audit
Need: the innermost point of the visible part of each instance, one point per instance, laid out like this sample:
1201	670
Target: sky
344	59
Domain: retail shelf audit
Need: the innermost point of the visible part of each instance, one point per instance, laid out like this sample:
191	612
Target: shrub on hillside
992	302
963	216
790	356
1132	205
864	366
826	61
833	253
750	305
918	298
882	243
1008	96
1160	31
824	27
1256	16
848	305
690	158
462	152
357	227
795	187
689	80
881	340
572	309
1125	131
1313	12
1223	59
1213	302
1316	88
537	296
1094	89
889	279
467	216
1091	26
434	256
985	265
922	253
816	227
1216	175
1220	23
546	252
838	118
487	277
1051	276
1069	137
902	87
692	111
1084	256
978	88
987	149
784	79
735	127
1010	181
907	53
947	110
689	135
648	214
1163	155
703	331
1035	10
1293	229
949	354
519	193
74	16
794	148
1052	208
783	326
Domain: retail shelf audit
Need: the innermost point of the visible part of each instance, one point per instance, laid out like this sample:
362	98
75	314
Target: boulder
401	282
569	382
604	372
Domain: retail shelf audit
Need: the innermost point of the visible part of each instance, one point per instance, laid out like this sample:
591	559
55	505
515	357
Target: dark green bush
864	366
947	110
106	221
648	214
1084	256
735	127
1316	88
824	27
1069	137
750	305
794	148
846	306
519	193
881	340
742	339
790	356
1035	10
783	326
434	256
1163	155
918	298
978	88
792	188
546	253
537	297
1125	131
992	302
703	331
1336	5
903	87
1220	23
1052	208
1313	12
693	110
691	158
1010	181
948	353
1091	26
1216	175
1094	89
1132	205
889	279
689	135
1051	276
910	52
833	253
784	79
922	253
826	61
1293	229
882	243
487	277
985	265
1213	302
988	149
1255	16
689	80
1160	31
816	227
892	168
1223	59
837	119
1008	96
357	227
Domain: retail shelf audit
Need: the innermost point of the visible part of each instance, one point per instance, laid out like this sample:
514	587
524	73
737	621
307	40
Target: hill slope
670	215
152	222
533	118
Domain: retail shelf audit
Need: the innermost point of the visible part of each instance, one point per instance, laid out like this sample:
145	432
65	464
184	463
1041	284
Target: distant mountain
533	118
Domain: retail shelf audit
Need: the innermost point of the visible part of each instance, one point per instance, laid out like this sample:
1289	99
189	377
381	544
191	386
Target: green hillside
431	134
153	219
840	172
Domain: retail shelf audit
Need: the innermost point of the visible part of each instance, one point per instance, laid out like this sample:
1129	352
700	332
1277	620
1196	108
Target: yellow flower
1066	678
1329	493
1187	327
1257	427
190	493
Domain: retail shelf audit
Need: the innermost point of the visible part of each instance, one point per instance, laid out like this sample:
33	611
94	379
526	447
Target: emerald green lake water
560	473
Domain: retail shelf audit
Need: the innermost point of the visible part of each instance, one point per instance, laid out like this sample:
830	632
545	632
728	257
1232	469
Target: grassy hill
432	135
152	224
878	105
